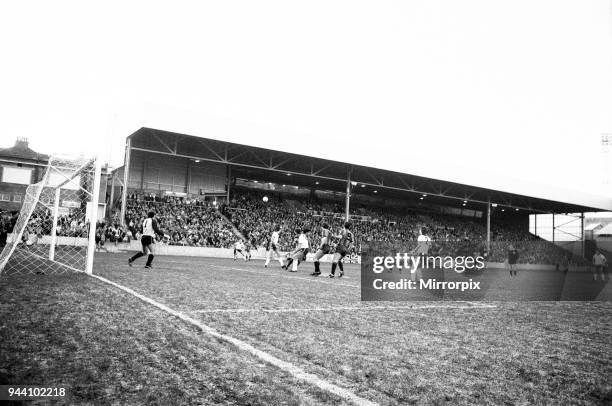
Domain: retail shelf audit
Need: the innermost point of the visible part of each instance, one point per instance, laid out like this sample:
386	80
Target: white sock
294	267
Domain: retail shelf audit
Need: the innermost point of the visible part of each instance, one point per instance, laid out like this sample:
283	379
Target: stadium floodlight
424	195
363	185
353	183
56	228
494	204
196	161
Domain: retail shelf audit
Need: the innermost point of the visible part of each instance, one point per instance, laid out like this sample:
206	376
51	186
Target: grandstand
209	192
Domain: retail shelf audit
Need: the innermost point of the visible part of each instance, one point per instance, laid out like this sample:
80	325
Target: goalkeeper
149	230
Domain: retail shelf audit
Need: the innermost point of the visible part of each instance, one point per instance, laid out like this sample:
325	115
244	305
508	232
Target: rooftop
22	151
268	165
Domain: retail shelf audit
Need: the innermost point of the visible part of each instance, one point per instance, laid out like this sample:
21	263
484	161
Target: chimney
21	143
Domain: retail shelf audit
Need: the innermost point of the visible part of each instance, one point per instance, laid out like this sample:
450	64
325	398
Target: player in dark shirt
513	256
345	244
323	248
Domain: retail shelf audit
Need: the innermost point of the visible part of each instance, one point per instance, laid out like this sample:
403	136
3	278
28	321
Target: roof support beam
162	142
232	159
378	182
409	187
254	155
281	163
211	150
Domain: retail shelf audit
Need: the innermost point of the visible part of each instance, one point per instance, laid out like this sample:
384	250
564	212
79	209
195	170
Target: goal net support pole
54	229
93	217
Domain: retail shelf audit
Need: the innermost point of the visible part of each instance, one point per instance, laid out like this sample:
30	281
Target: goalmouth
56	228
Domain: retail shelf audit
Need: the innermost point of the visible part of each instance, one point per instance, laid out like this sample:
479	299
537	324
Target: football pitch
255	335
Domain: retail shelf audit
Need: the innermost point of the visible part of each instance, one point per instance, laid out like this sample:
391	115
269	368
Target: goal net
55	229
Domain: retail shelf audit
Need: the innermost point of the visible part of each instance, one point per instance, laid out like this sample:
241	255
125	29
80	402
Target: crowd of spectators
41	224
7	223
188	222
256	218
112	233
252	216
200	223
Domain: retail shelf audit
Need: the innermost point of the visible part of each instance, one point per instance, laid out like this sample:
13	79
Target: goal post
55	230
93	216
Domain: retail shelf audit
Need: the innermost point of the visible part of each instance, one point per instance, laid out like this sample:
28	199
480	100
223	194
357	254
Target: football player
299	254
273	247
323	248
345	244
240	248
149	231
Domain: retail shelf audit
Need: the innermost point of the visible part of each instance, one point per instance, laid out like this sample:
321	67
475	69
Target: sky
513	95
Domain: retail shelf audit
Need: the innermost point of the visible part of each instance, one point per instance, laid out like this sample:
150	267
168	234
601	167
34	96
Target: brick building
20	167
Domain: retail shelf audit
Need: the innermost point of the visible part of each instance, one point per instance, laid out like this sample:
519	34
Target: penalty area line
293	370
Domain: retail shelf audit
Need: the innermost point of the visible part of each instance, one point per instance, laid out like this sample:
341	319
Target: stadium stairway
232	226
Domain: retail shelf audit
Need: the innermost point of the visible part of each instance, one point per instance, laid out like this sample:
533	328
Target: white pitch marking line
322	309
282	275
292	369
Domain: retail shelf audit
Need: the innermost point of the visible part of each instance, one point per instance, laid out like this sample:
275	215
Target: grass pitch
108	347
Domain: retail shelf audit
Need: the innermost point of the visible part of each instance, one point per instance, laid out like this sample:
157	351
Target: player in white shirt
422	249
273	247
149	231
299	254
600	263
323	248
240	248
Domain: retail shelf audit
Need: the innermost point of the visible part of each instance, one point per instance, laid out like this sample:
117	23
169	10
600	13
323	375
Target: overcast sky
495	93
